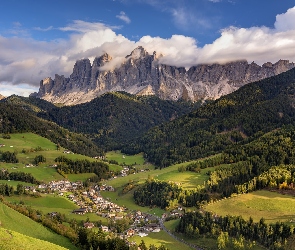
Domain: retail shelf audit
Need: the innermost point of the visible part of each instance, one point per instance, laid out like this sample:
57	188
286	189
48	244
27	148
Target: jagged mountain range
142	74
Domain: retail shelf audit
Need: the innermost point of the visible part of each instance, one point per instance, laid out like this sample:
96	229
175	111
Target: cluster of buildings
61	186
91	201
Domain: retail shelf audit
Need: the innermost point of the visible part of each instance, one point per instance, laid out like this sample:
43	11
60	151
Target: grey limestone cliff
142	74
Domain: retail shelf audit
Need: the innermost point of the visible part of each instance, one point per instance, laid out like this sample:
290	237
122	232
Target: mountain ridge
142	73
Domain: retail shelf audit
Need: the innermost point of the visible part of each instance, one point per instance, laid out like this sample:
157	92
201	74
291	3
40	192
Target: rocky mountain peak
282	66
1	97
267	65
47	80
138	52
100	61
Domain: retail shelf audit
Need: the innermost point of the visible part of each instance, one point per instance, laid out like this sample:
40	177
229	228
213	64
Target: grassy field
15	221
79	177
53	203
187	179
125	159
161	238
13	183
11	240
41	173
271	206
28	141
46	203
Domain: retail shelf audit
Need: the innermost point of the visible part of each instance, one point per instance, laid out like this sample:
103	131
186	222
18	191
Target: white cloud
286	21
178	50
26	61
124	17
84	27
259	44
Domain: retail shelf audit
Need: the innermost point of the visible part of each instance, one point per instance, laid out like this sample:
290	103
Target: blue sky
41	38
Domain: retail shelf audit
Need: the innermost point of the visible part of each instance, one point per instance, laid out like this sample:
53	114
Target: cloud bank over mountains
25	60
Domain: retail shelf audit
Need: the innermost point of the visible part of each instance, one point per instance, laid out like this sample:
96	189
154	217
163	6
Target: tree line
18	176
8	157
168	195
68	166
272	236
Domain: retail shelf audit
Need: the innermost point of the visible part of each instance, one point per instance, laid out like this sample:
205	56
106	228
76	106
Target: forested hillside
15	119
237	118
111	120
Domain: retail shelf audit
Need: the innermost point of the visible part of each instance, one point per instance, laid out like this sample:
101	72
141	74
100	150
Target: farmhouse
80	210
104	228
88	225
130	232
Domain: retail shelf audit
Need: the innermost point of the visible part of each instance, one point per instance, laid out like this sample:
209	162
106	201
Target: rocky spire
137	53
100	61
81	73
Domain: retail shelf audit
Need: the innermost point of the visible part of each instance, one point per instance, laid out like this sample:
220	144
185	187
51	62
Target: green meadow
187	179
79	177
26	141
14	183
54	203
11	240
161	238
13	220
125	159
41	173
30	141
49	201
271	206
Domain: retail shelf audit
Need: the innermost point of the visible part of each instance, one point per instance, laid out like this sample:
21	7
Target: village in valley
91	201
